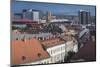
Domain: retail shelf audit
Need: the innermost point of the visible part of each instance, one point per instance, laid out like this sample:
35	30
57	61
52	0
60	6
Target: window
38	38
23	58
41	38
16	38
23	39
62	48
51	51
47	62
29	38
39	55
74	41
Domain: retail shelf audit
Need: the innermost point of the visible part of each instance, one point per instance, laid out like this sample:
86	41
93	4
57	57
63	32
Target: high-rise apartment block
84	17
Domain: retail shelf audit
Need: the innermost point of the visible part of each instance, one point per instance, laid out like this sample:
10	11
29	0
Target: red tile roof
52	42
23	20
27	51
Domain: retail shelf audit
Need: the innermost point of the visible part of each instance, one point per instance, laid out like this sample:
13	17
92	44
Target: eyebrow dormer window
16	38
23	58
39	55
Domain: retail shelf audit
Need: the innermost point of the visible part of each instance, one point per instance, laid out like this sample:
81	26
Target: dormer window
29	38
39	55
74	41
23	39
16	38
23	58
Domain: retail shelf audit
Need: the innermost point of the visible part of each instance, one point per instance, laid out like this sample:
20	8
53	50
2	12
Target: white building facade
36	16
57	53
71	46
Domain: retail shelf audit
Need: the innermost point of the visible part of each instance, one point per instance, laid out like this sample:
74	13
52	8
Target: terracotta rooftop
52	42
26	51
24	21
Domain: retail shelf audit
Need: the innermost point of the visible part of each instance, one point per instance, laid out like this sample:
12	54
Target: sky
66	9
